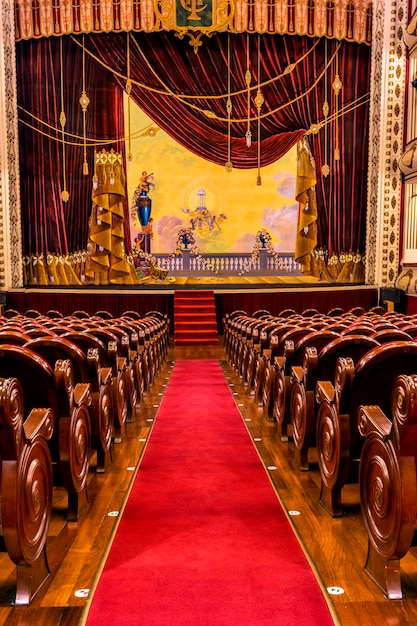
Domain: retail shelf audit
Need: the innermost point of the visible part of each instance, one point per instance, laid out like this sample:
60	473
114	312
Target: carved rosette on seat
388	484
333	436
302	404
74	436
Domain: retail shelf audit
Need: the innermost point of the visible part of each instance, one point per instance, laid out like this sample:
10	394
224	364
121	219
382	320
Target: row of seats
345	383
68	385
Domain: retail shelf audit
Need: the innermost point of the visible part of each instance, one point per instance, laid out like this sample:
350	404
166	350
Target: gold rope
314	129
337	86
168	92
183	98
90	142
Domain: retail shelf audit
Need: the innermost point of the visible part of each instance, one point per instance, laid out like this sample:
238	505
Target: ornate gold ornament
84	102
195	18
63	121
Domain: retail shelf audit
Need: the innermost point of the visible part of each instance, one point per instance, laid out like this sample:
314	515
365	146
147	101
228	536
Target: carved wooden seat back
317	365
386	335
70	445
86	369
387	476
369	382
25	487
108	358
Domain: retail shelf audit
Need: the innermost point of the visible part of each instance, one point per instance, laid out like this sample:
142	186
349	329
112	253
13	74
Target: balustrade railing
229	264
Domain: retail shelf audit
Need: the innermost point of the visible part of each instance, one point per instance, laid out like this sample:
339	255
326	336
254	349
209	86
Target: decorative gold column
305	193
106	254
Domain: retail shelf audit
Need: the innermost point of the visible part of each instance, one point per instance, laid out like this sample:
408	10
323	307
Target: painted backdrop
225	209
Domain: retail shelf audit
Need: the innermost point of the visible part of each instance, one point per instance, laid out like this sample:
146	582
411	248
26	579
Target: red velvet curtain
164	63
342	195
48	223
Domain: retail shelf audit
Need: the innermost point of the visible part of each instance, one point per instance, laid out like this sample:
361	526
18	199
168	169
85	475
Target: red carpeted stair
195	318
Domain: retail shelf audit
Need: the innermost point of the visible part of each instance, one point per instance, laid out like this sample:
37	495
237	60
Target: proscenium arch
386	134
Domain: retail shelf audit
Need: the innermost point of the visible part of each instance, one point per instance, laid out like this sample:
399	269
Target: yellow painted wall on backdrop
180	175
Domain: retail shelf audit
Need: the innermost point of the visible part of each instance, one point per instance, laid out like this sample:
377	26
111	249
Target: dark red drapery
48	223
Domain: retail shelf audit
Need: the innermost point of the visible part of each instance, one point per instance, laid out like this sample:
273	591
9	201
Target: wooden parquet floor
336	548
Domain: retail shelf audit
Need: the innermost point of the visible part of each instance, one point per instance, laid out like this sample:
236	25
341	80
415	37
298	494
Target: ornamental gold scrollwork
202	16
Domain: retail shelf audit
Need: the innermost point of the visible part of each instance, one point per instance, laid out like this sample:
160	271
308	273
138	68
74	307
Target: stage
231	293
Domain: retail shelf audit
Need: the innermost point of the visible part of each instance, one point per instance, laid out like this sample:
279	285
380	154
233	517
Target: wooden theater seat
86	369
70	445
126	350
386	335
274	348
25	487
295	344
131	314
317	365
368	382
272	361
388	483
14	337
109	358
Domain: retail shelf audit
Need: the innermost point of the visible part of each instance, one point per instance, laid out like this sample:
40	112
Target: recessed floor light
81	593
335	591
113	514
294	513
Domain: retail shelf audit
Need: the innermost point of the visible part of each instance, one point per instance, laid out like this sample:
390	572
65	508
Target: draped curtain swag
341	19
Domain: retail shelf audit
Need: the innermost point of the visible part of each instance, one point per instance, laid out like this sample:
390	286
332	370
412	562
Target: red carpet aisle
203	539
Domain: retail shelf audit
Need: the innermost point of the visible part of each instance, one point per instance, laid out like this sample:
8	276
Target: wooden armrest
371	419
38	422
121	363
82	394
279	362
325	391
106	375
297	374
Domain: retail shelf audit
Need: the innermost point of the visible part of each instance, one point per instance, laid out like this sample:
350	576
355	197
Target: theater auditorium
208	312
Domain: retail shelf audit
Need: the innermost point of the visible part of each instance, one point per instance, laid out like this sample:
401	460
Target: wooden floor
336	547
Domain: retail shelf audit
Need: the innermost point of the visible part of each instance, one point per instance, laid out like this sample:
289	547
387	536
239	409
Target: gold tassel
84	102
259	100
337	87
325	169
63	121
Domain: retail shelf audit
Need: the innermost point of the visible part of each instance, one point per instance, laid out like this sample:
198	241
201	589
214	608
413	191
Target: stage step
195	318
